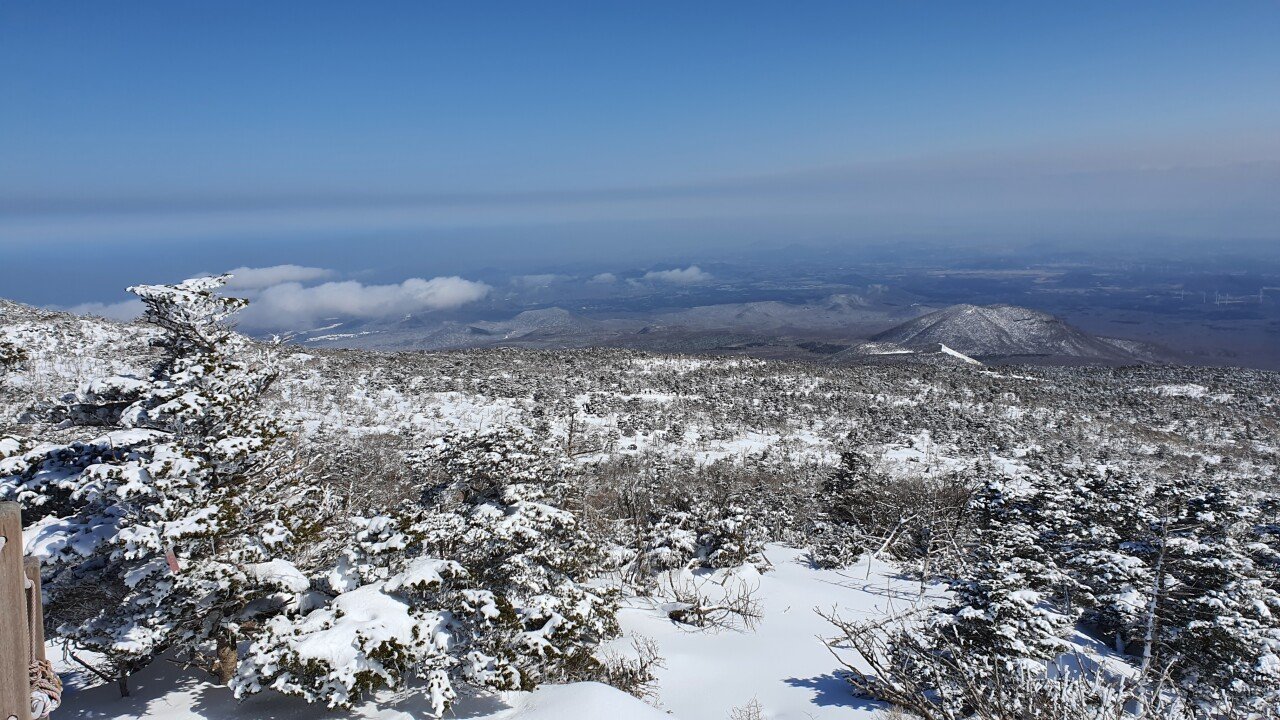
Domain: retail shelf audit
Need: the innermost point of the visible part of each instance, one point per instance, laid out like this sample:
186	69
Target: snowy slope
916	421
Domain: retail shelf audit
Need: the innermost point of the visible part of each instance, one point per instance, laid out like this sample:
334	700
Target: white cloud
123	310
247	278
604	279
687	276
292	306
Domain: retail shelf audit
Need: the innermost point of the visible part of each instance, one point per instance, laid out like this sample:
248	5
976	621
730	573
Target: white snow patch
956	354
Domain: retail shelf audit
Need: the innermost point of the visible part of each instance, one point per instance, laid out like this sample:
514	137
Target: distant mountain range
876	326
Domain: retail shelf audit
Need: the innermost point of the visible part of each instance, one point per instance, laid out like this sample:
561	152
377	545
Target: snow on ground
1191	390
917	455
781	663
165	691
957	354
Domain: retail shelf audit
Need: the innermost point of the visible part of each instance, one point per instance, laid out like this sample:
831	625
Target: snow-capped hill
530	321
1003	331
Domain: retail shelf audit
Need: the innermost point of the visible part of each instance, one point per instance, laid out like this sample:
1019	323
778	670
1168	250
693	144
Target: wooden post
15	685
35	605
35	620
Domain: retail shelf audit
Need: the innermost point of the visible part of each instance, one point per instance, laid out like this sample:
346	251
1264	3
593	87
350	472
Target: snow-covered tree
1214	618
999	609
849	508
499	510
167	532
863	508
1109	579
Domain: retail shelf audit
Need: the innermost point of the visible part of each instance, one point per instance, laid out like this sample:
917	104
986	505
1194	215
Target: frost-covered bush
374	636
669	514
384	479
701	534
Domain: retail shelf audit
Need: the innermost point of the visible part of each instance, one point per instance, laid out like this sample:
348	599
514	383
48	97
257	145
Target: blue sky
282	129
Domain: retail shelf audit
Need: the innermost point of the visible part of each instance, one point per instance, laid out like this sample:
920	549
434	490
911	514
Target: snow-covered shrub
100	401
701	534
480	580
374	636
671	515
902	661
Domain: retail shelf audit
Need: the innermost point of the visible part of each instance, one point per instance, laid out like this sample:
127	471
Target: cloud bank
247	278
123	311
279	300
1105	190
687	276
291	305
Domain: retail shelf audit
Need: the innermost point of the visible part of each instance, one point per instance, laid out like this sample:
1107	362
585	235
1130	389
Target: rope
46	689
46	686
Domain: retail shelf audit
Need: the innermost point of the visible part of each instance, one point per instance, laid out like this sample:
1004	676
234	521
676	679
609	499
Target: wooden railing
21	617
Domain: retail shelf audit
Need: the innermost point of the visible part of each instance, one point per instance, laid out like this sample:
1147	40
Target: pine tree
1216	621
500	513
851	509
1110	576
170	528
999	610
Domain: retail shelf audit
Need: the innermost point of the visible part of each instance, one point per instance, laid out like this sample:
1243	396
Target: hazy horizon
491	141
